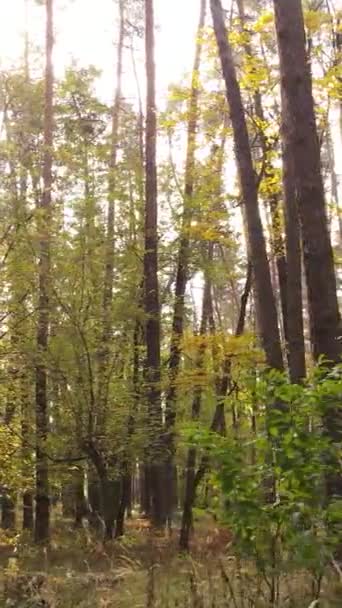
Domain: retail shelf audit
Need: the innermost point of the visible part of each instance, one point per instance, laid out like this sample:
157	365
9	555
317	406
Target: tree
104	352
268	173
184	252
300	135
151	287
42	518
190	471
295	325
266	304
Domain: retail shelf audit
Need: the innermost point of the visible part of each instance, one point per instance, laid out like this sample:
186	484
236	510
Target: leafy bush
273	480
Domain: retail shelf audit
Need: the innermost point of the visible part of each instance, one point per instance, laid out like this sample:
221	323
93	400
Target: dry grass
143	571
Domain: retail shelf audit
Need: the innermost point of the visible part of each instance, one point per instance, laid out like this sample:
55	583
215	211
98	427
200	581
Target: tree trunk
334	183
94	503
124	503
183	255
207	320
194	478
151	287
301	135
42	519
278	247
106	504
338	45
295	322
79	506
27	510
189	495
145	489
20	391
268	322
67	496
7	510
104	350
277	242
26	448
110	494
127	466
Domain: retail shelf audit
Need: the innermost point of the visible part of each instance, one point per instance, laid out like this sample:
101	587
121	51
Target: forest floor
145	571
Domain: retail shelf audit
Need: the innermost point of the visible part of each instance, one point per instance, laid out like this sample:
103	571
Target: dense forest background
170	335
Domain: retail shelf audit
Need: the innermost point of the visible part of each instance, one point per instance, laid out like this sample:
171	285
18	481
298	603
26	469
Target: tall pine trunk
127	471
294	291
104	351
277	241
26	380
278	247
301	136
151	287
42	519
334	186
16	311
268	322
183	257
190	472
193	477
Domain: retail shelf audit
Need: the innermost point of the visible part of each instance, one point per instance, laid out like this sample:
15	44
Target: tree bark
334	183
80	509
42	519
301	133
151	287
301	136
189	494
94	502
278	247
126	466
110	491
104	351
207	321
277	241
19	397
67	497
268	322
194	478
294	295
27	510
7	510
124	502
183	261
145	489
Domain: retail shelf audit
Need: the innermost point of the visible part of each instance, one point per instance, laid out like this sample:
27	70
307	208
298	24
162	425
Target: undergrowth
142	571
